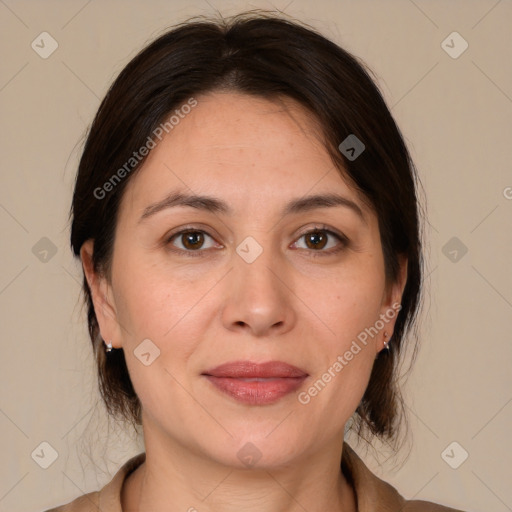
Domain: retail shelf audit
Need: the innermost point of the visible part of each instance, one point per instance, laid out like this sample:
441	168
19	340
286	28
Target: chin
255	448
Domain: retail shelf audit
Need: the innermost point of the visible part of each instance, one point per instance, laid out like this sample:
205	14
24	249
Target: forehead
259	116
242	148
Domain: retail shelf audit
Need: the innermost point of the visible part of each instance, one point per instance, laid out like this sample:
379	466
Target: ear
392	299
102	297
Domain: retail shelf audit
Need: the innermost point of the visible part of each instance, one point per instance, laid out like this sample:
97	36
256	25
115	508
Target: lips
256	383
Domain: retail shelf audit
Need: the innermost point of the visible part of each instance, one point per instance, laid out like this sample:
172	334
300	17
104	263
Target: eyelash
322	229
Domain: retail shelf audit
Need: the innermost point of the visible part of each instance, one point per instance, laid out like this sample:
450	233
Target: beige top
372	493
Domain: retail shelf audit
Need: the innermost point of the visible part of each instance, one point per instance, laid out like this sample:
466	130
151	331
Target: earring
386	343
109	347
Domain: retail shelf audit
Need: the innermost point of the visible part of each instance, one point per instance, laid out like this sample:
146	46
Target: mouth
256	383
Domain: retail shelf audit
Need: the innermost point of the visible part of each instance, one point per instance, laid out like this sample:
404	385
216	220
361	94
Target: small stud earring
386	343
109	347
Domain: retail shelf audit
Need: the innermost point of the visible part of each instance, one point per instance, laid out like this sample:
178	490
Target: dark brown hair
259	54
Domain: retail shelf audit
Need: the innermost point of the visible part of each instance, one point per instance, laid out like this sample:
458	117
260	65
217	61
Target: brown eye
190	241
316	239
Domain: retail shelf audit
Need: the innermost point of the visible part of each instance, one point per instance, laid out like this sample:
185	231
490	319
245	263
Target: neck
176	479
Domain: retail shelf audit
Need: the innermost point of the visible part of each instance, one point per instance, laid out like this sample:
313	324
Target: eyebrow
215	205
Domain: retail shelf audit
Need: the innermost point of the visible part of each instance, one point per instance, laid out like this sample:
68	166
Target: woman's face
249	283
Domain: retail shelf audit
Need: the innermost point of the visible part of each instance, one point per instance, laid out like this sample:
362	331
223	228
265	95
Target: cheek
348	307
169	308
152	306
347	303
149	302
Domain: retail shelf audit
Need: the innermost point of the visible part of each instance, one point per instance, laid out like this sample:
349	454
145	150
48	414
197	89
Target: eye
321	238
190	241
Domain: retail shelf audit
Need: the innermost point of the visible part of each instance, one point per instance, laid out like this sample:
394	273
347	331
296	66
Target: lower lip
256	392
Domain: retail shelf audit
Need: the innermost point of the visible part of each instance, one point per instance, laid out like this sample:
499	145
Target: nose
259	300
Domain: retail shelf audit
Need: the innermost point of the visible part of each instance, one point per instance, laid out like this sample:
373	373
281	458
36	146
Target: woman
245	212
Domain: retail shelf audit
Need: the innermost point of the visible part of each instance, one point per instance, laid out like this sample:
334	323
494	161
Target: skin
287	305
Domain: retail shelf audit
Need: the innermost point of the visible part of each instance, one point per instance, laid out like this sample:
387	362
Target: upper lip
250	369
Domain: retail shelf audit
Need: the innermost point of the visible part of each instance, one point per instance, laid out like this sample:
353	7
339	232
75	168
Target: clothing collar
369	489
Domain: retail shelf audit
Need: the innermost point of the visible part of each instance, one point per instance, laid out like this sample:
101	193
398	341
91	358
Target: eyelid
343	239
189	228
167	240
323	227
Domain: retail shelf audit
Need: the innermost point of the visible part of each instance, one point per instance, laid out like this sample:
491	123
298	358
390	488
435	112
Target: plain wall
456	116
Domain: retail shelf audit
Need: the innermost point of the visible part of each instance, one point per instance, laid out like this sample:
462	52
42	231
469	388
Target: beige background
456	115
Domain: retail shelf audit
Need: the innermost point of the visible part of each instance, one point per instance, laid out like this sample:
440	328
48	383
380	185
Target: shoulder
108	499
86	503
426	506
372	492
